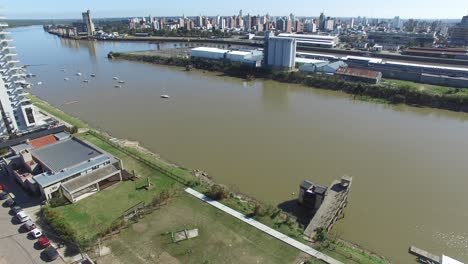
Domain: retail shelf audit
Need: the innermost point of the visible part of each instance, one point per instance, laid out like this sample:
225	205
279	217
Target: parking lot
16	247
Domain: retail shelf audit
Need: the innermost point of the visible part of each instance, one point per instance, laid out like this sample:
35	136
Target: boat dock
424	255
335	200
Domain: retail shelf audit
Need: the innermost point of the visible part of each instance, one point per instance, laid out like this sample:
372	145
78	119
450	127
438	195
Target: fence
140	159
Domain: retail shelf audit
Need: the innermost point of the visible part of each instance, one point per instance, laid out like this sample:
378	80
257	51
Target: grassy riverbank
93	216
389	91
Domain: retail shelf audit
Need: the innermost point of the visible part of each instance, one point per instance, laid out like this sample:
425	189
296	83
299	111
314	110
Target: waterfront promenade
294	243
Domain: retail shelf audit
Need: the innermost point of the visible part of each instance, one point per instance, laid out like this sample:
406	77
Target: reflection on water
409	164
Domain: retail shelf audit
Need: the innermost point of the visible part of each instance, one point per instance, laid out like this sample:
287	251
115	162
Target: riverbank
389	91
93	215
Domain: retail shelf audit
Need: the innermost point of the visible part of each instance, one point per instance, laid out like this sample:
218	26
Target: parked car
10	202
29	225
36	233
22	217
3	195
2	187
51	253
43	242
16	209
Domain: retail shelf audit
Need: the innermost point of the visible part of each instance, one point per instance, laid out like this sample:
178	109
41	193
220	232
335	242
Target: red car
1	187
43	242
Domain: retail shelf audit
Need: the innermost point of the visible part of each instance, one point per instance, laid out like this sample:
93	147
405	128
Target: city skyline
29	9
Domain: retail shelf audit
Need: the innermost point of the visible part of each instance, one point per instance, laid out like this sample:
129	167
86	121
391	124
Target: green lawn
347	253
429	88
97	212
222	238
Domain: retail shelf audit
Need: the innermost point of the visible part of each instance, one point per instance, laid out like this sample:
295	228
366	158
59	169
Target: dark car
3	195
10	202
51	253
16	209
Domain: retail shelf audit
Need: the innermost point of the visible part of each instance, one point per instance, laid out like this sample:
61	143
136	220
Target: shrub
218	192
60	226
260	210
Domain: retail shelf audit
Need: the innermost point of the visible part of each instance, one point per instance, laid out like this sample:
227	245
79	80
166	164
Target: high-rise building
459	33
321	21
17	112
248	22
397	23
87	20
329	25
298	26
288	25
281	25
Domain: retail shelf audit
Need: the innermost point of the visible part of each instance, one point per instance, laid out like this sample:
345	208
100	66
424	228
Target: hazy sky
118	8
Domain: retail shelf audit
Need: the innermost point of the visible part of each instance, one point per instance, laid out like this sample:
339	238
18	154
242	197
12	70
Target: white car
36	233
22	217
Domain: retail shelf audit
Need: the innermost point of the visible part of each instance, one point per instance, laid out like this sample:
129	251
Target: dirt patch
139	227
167	258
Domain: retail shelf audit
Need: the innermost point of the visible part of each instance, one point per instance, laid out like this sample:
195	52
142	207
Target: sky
40	9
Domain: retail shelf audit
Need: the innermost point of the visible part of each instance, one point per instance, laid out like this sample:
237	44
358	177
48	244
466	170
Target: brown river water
410	165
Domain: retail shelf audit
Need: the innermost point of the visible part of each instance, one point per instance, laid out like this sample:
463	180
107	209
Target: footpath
280	236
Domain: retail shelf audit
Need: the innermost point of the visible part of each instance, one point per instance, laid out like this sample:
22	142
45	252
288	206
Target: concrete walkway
302	247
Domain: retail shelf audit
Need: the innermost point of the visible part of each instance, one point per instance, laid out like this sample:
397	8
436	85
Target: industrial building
401	38
424	73
449	53
359	75
280	52
313	40
311	195
58	165
248	57
17	113
319	66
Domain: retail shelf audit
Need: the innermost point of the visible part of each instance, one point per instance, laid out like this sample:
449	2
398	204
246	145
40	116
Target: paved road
294	243
15	246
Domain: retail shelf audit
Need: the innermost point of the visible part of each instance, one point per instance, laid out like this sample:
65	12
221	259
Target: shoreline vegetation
389	91
99	217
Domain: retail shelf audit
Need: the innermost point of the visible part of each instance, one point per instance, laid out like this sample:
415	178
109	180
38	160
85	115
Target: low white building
250	57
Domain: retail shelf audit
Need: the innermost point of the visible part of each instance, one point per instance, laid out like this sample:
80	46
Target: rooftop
64	154
308	61
210	49
308	36
449	260
355	72
42	141
90	178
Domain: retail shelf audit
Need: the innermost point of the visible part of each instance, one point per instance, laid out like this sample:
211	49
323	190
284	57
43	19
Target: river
409	164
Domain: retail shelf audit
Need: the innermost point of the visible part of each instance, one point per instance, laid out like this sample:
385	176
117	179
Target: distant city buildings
459	33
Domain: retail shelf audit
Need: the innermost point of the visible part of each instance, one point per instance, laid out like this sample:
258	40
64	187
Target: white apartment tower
89	22
17	112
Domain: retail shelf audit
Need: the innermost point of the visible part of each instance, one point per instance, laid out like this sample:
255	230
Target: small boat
165	96
121	81
29	75
63	70
78	74
93	75
39	83
118	86
86	81
115	78
66	79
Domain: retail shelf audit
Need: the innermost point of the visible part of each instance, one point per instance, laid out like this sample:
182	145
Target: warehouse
359	75
249	57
